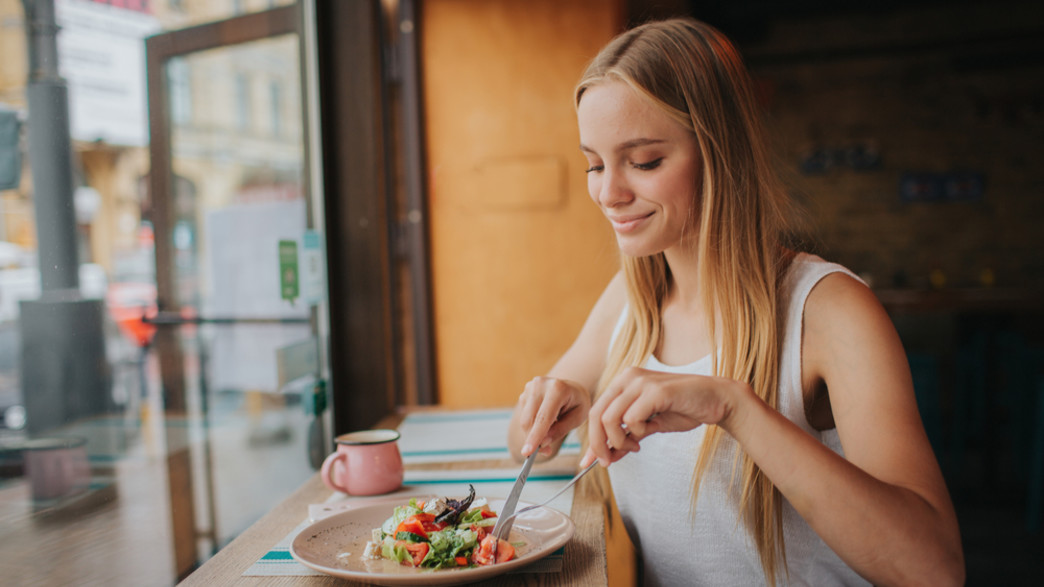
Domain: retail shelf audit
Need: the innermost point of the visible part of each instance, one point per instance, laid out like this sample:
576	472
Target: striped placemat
466	435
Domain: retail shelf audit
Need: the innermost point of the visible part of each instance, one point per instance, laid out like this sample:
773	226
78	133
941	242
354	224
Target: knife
512	500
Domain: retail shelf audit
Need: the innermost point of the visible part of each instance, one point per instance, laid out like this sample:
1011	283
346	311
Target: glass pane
88	454
238	164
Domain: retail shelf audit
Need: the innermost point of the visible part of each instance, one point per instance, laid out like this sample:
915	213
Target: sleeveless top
711	545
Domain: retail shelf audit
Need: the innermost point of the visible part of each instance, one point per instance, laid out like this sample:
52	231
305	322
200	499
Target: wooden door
519	252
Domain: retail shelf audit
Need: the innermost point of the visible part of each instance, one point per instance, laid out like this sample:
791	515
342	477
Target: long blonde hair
691	71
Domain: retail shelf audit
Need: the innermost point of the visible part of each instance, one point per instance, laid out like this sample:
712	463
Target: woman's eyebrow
627	145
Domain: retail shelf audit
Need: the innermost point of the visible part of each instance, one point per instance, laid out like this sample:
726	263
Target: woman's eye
649	165
593	168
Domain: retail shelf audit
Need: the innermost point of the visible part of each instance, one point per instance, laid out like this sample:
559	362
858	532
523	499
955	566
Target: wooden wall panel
519	252
361	305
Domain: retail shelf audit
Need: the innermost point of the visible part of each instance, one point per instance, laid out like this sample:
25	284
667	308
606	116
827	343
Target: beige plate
334	546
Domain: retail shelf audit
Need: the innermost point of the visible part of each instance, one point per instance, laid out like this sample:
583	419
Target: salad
440	533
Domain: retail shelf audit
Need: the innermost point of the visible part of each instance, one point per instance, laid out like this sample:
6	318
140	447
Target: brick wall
950	99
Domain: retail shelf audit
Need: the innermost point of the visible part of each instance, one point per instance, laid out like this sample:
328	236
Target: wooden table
585	561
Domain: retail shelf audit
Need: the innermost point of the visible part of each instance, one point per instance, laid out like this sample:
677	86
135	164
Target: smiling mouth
625	224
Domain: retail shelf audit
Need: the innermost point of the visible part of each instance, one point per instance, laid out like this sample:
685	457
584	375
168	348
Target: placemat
466	435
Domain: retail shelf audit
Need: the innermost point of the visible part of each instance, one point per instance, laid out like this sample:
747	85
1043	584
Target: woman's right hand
547	410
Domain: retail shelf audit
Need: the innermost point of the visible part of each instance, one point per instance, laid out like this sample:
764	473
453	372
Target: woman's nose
613	190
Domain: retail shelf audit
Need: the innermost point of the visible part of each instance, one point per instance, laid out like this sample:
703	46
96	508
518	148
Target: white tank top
711	546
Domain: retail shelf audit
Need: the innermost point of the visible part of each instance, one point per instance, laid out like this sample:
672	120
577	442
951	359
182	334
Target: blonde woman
753	405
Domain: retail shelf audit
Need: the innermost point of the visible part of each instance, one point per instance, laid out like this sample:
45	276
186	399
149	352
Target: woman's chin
632	247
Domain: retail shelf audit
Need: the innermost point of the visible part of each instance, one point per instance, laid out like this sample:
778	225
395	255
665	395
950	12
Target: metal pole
65	372
50	154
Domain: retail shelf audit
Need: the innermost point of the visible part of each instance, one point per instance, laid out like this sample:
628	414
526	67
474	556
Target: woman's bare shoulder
845	326
839	298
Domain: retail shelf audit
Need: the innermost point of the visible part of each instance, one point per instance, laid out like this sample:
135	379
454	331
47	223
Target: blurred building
224	103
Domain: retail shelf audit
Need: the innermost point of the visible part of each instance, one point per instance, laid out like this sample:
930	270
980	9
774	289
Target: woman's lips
624	224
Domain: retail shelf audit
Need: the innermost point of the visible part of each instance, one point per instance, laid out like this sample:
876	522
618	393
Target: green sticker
288	271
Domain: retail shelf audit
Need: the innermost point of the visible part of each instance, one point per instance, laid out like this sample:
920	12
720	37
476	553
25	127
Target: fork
505	529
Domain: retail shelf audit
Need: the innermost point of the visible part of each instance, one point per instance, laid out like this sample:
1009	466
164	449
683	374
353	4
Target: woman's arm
552	405
883	508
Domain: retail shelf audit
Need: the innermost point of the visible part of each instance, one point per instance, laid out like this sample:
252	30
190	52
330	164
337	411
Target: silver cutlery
505	522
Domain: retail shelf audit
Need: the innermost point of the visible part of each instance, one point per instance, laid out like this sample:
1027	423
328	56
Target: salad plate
334	545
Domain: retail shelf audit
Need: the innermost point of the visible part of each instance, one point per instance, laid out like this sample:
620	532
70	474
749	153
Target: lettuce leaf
398	515
391	549
448	544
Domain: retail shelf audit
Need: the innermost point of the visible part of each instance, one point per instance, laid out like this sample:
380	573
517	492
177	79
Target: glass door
238	273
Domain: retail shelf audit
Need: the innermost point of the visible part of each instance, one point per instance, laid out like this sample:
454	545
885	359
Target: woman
753	405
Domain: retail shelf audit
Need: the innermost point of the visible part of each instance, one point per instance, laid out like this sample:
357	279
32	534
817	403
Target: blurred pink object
56	467
367	462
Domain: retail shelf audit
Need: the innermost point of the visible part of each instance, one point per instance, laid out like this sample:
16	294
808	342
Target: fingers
548	409
617	431
640	420
638	403
624	415
528	407
589	457
609	436
598	441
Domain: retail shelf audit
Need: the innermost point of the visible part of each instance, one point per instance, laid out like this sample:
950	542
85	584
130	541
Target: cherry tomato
483	555
480	531
418	550
420	524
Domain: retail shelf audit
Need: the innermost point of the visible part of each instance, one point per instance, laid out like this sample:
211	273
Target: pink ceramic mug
366	463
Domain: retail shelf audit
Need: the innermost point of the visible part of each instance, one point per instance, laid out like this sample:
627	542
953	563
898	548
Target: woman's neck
686	333
686	287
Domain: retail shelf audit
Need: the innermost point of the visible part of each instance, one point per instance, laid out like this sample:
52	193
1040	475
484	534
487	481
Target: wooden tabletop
585	561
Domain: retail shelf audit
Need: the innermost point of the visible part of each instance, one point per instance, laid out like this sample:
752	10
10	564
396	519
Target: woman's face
643	168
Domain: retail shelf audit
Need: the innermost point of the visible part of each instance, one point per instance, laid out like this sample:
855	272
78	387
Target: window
276	105
180	92
242	97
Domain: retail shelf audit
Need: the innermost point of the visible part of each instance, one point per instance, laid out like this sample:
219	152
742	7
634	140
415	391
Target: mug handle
326	473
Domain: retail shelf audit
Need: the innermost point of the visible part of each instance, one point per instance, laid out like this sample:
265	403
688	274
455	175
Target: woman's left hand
639	402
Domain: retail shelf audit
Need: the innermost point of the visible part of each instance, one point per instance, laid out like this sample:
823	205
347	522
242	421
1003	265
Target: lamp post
65	372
